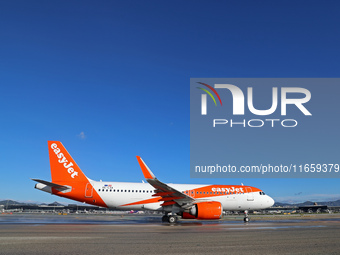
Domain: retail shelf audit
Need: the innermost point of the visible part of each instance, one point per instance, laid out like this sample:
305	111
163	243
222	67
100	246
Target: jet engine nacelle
205	211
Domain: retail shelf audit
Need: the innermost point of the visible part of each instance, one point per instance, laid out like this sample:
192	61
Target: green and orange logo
204	97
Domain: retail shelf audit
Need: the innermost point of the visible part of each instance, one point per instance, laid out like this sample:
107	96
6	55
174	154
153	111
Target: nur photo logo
294	98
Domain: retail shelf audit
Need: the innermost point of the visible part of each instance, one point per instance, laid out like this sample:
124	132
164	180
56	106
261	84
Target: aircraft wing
169	195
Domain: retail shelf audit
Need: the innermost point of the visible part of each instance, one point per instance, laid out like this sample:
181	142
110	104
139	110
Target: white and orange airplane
203	202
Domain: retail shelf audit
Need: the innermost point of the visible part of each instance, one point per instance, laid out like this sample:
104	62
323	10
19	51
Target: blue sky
110	79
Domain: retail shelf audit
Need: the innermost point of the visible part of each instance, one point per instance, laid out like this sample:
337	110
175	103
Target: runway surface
135	234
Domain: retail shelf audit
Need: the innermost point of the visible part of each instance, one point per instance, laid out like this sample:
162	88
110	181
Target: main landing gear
246	218
170	218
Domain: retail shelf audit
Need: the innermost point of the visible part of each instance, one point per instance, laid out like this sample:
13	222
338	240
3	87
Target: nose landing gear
246	218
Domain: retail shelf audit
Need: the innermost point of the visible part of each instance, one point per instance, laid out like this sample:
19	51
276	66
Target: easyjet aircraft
203	202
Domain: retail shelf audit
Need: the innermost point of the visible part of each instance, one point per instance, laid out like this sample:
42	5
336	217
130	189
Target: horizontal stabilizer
52	185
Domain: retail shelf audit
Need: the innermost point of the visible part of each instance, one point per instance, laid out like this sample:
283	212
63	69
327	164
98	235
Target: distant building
313	208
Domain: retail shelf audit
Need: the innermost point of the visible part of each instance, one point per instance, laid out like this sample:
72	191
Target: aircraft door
250	194
88	190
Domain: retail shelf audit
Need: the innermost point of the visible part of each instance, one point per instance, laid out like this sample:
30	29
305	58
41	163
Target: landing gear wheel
172	219
165	218
246	218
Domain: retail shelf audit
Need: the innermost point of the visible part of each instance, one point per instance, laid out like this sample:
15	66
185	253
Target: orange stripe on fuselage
78	193
146	201
204	192
219	190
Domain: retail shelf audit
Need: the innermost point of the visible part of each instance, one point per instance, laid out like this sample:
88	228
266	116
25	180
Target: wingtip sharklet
145	169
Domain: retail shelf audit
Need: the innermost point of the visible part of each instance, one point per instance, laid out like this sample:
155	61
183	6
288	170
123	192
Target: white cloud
82	135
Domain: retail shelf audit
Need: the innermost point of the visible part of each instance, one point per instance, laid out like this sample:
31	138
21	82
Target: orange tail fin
64	169
66	172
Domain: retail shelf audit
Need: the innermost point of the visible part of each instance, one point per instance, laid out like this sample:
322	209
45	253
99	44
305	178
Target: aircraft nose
270	201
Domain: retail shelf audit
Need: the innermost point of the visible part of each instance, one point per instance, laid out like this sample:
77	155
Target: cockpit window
262	193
